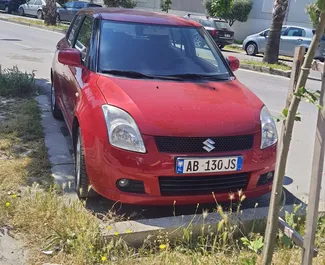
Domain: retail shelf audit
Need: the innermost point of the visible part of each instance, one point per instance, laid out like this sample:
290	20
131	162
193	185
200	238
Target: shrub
14	83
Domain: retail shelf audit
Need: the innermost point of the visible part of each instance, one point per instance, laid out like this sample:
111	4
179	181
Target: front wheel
82	185
251	48
58	20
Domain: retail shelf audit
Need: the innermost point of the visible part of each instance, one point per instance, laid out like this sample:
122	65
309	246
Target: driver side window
83	39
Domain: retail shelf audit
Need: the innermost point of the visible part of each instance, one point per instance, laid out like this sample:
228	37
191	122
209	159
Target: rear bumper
224	41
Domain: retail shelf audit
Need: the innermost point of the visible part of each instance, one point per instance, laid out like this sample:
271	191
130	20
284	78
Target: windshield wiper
200	76
134	74
131	74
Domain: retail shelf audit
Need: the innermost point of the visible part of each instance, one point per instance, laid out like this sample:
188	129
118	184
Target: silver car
33	8
291	36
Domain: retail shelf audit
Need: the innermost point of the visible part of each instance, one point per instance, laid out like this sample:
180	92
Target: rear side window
296	32
83	39
79	5
207	23
69	5
38	2
93	5
74	29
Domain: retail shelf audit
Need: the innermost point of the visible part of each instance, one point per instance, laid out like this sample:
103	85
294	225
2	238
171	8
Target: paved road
32	49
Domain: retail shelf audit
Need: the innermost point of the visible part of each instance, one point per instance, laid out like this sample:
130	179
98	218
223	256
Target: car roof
139	16
205	17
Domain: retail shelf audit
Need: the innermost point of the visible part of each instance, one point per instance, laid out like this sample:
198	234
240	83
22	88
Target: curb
33	25
264	69
136	233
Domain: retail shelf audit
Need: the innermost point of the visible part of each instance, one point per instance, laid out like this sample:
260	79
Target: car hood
168	108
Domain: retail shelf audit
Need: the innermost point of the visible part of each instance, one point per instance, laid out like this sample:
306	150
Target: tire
39	14
56	112
251	48
58	20
221	46
82	187
198	41
21	11
8	10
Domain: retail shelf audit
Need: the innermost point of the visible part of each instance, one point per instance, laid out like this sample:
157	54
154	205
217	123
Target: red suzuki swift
155	119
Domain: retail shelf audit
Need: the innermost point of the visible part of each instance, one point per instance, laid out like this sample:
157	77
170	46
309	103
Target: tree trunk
50	12
284	145
273	40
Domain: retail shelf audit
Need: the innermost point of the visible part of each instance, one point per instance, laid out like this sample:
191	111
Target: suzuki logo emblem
208	145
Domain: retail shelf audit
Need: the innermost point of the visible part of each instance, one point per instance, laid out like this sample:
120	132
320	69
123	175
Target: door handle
299	39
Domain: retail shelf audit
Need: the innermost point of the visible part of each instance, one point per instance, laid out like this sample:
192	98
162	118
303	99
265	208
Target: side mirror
70	57
233	63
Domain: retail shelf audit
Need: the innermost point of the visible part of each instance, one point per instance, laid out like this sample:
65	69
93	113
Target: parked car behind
34	8
68	10
10	6
154	122
219	29
291	36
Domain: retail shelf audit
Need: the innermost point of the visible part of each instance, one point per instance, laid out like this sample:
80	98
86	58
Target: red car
155	119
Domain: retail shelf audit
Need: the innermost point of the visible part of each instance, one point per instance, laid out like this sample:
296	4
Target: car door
262	38
63	72
64	11
37	5
77	74
293	37
75	8
28	7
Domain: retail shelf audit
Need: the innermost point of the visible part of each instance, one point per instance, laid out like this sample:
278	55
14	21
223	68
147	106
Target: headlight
268	129
122	130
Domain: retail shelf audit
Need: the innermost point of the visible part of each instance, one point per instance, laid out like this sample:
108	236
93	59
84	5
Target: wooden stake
315	182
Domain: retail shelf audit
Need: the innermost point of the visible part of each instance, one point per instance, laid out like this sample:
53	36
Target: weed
279	66
14	83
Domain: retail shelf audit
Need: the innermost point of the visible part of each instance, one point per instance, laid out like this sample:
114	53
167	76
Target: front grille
167	144
203	185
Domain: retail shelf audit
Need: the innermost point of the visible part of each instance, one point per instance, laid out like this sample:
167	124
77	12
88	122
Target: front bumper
106	165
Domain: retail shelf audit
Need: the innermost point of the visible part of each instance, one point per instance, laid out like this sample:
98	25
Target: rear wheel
56	112
21	11
8	10
83	188
39	14
221	46
251	48
58	20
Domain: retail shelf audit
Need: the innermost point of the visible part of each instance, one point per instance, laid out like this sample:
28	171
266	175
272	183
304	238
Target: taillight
215	33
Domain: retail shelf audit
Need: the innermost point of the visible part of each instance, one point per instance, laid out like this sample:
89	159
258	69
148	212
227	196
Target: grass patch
60	26
233	48
279	66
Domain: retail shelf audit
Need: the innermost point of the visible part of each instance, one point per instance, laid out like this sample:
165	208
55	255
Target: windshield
158	50
222	25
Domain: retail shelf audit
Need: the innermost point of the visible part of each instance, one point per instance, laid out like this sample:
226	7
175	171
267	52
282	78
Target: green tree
230	10
314	14
120	3
166	5
273	41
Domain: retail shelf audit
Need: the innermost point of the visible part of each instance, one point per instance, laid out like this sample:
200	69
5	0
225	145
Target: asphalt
32	49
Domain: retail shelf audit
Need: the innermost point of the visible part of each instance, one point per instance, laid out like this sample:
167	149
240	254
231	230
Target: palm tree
273	43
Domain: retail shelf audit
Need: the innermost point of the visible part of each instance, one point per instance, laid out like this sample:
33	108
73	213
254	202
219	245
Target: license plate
206	165
227	35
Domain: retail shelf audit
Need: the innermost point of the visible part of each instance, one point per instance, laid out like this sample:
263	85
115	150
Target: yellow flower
7	204
116	234
109	227
128	231
162	247
14	196
104	259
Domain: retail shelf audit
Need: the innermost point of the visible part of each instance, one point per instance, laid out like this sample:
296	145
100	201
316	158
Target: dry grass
39	23
279	66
